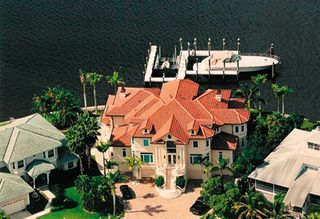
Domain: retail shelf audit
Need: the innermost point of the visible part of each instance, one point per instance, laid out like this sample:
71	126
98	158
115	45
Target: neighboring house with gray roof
30	147
14	193
294	168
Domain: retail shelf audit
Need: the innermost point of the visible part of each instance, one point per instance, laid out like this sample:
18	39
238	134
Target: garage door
14	206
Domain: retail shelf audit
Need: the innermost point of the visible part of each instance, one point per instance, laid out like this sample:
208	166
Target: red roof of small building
174	110
224	141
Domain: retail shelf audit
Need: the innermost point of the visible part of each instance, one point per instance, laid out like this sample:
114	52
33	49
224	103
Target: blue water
45	42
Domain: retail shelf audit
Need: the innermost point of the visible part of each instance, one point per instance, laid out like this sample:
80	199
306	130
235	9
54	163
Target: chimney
122	93
218	95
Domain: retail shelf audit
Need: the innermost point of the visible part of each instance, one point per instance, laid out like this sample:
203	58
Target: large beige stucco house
171	129
30	148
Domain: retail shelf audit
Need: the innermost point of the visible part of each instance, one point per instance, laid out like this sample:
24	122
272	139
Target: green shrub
159	181
181	182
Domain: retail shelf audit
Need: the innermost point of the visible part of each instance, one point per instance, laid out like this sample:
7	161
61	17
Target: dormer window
313	146
145	131
193	132
169	137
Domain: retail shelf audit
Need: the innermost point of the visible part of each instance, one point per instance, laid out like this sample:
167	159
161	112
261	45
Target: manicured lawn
72	213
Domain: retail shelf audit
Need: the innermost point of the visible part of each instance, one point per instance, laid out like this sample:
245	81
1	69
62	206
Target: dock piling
160	51
273	71
197	72
175	53
272	49
188	48
195	46
181	45
209	45
223	43
238	45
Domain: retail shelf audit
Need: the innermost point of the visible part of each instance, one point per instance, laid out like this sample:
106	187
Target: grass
4	123
308	125
72	213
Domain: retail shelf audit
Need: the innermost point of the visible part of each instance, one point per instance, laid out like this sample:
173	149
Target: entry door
172	159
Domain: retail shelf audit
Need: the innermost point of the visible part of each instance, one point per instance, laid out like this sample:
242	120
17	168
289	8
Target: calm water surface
45	42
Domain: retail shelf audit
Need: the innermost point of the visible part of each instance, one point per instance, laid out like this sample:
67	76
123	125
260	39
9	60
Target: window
132	140
44	154
111	155
207	143
13	165
242	128
146	157
169	137
314	146
192	132
20	164
146	142
220	155
195	144
70	165
217	129
124	152
237	129
50	153
195	158
145	131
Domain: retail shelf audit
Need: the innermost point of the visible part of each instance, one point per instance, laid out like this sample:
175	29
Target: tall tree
83	80
258	81
252	205
84	134
58	106
76	144
249	92
93	79
114	80
112	179
285	91
280	92
133	163
103	148
221	165
278	208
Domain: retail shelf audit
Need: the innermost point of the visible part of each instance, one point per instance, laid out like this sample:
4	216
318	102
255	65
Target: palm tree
278	209
110	164
94	78
280	93
102	148
114	80
83	79
252	205
258	81
133	163
277	93
285	91
221	165
76	144
112	179
249	92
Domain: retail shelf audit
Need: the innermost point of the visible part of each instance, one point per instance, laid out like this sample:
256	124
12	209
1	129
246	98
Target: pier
216	63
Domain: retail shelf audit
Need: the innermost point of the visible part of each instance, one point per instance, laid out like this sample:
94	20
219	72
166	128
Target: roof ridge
48	130
10	147
184	109
213	120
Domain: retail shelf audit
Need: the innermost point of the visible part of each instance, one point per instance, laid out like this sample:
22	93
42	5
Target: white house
294	168
30	147
14	193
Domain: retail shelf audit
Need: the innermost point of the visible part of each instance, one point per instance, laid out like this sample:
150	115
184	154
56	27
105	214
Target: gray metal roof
294	166
37	167
12	186
27	136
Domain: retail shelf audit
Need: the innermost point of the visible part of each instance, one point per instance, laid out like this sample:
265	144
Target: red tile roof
174	110
224	141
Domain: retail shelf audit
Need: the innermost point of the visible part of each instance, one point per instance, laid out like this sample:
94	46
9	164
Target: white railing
161	170
180	170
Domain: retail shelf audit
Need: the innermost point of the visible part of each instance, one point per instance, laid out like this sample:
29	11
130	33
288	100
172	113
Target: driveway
149	204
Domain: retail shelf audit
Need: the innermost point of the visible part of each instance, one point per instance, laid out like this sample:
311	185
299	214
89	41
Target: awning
37	167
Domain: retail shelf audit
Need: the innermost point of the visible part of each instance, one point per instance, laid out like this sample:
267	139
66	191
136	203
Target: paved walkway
148	204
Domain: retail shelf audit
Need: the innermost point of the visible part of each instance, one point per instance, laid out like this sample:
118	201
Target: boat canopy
215	58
